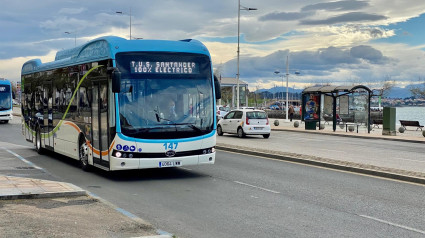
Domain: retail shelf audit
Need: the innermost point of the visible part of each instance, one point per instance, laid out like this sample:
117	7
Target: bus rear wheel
84	156
38	147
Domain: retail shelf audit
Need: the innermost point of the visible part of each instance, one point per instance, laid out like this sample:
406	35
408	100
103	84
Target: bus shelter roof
335	89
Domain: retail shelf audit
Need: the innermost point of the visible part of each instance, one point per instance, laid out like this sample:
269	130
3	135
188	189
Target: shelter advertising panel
311	107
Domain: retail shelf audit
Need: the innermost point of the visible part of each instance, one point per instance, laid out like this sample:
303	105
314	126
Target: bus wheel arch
83	153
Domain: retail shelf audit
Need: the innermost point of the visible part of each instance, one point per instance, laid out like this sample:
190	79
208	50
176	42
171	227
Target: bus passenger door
27	105
100	123
48	115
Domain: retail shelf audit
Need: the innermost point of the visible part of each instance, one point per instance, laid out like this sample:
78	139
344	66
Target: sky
327	42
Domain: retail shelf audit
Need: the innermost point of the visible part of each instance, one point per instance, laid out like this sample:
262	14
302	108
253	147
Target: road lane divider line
24	160
253	186
393	224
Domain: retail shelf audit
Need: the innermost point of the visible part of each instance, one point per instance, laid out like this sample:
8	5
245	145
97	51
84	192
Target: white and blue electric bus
6	105
121	104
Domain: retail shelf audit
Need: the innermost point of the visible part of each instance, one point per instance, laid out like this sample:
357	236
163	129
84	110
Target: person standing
291	112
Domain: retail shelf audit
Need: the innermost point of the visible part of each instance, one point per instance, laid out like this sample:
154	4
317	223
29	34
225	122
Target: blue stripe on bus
124	137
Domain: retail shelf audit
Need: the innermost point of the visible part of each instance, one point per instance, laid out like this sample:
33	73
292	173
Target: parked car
222	111
245	122
274	107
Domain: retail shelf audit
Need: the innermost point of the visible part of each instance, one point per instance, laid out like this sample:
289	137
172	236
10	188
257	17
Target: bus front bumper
6	117
146	163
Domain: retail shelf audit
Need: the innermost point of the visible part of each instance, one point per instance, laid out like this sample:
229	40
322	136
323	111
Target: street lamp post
287	87
120	12
287	79
239	25
75	36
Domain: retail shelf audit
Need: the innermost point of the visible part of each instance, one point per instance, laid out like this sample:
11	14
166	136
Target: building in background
229	92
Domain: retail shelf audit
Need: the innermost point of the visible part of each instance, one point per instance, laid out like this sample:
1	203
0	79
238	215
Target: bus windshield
166	105
5	97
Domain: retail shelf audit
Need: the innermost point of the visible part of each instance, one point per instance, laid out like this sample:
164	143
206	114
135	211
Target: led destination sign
174	67
4	89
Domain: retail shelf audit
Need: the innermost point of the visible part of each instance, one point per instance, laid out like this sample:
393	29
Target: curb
374	172
43	195
77	192
351	135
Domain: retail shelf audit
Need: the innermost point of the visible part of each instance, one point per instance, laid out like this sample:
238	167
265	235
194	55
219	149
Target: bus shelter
339	104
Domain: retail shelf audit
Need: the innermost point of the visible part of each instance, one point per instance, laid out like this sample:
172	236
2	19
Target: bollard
296	124
276	122
401	129
351	128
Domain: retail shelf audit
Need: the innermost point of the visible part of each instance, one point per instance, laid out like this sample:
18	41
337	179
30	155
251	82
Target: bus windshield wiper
187	124
138	130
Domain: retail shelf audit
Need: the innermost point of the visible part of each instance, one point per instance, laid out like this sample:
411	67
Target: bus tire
83	154
38	147
219	131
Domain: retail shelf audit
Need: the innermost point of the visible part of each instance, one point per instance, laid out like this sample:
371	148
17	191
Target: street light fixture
240	7
122	13
75	36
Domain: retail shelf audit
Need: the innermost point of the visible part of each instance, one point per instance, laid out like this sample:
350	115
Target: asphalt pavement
406	169
57	199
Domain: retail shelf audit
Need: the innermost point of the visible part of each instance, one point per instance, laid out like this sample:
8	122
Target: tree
419	91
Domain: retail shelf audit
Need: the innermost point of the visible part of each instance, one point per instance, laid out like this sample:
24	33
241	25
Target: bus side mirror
116	80
217	88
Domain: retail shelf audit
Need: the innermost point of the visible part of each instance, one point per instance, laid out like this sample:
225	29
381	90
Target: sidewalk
405	170
410	134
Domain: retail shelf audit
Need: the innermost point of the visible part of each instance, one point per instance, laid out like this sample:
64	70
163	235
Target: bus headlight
118	154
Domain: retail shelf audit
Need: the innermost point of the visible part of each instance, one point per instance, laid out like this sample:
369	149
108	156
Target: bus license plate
164	164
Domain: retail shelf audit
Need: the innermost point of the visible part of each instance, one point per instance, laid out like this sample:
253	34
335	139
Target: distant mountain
397	92
279	90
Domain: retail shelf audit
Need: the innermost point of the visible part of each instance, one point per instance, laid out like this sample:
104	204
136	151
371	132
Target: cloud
284	16
313	65
345	18
337	6
368	53
72	11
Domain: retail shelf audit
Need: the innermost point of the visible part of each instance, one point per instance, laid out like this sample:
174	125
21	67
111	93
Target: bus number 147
170	146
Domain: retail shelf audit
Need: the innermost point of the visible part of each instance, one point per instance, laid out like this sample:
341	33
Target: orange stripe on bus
96	151
73	125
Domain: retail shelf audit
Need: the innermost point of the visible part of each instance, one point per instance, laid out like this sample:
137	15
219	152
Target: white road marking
394	224
24	160
253	186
